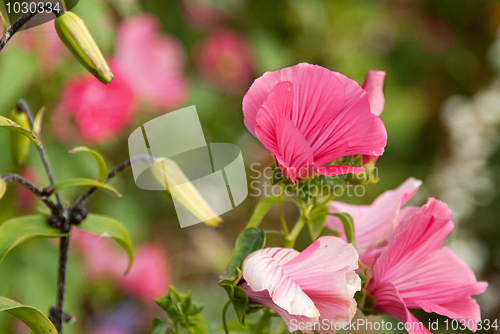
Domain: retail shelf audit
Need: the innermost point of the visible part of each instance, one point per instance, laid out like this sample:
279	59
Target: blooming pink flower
99	111
318	283
225	61
374	87
152	64
149	276
307	116
375	223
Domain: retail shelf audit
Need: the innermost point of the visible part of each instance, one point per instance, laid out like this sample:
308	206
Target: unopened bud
3	187
75	35
19	144
181	188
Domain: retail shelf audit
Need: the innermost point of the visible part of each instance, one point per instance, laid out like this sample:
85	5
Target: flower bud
19	144
3	187
181	188
75	35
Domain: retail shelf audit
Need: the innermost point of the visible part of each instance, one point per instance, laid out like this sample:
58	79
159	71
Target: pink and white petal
439	279
374	86
390	302
413	240
464	310
262	270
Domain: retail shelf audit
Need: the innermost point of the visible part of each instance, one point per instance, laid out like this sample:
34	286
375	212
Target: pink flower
149	276
151	63
318	283
374	223
414	271
307	116
374	87
201	15
100	112
225	61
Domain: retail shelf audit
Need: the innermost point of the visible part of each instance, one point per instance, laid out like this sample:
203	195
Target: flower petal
374	86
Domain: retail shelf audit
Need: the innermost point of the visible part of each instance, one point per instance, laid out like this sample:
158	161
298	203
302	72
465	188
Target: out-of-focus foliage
431	50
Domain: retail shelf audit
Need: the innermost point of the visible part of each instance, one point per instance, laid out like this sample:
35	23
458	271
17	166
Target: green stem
328	200
290	241
224	310
264	320
280	210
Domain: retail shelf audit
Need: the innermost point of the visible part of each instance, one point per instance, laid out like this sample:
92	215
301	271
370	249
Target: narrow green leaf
103	169
262	209
32	317
11	125
159	327
249	241
37	123
79	182
315	225
15	231
348	224
108	227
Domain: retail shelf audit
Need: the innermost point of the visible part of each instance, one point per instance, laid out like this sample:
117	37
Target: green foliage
18	230
183	313
32	317
82	182
19	143
315	224
348	225
249	241
108	227
13	126
101	164
262	209
366	303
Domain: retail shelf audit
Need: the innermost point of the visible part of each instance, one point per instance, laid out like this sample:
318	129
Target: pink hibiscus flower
414	271
308	116
100	112
315	285
225	61
152	63
374	223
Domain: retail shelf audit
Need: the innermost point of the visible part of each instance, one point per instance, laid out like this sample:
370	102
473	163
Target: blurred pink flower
24	200
374	87
318	283
151	63
100	112
149	276
201	14
225	61
374	223
307	116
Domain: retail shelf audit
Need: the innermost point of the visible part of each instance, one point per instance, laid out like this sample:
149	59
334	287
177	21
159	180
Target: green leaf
19	143
79	182
11	125
103	169
15	231
315	225
32	317
108	227
198	325
249	241
239	299
348	224
262	209
159	327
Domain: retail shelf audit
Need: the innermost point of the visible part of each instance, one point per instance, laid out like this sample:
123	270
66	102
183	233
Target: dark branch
118	169
42	196
22	105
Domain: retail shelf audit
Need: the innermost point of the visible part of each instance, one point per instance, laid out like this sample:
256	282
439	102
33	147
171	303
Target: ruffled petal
374	86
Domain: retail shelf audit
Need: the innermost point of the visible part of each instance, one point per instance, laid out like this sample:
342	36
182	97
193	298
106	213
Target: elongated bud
180	187
3	187
19	144
75	35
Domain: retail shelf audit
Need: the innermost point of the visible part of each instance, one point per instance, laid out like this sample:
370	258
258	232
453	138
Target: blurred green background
442	116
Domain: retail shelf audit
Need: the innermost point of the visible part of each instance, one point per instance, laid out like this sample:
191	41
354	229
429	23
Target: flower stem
280	210
328	200
264	321
299	225
224	323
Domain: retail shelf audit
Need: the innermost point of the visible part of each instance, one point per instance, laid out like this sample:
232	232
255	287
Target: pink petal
374	223
374	86
390	302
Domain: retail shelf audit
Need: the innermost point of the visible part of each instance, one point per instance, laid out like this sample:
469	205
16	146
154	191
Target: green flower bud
3	187
19	144
185	193
75	35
